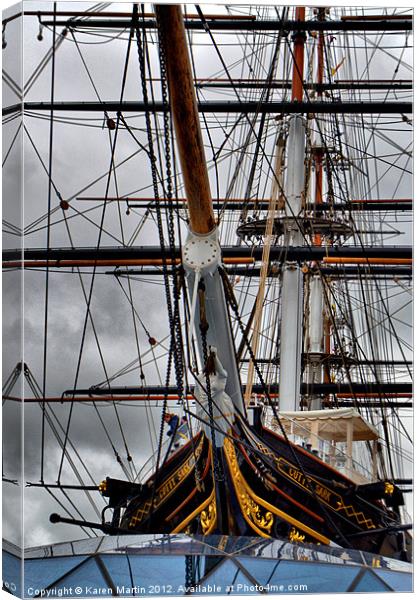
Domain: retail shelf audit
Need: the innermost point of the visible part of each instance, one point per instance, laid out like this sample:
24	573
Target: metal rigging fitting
202	253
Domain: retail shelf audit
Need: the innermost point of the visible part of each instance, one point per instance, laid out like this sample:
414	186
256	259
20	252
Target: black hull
182	496
288	492
270	487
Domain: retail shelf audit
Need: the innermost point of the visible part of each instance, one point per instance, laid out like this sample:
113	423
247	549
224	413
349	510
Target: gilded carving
388	488
209	516
257	516
262	519
257	512
296	536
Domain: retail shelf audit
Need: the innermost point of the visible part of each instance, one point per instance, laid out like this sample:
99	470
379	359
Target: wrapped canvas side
12	314
206	350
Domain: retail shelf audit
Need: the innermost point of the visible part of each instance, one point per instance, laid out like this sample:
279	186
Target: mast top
184	109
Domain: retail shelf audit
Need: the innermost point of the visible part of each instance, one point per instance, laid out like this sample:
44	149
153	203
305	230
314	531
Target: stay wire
95	266
12	144
46	301
50	418
65	509
231	300
129	458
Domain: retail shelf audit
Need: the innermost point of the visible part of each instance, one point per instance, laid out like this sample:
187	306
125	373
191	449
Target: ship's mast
292	277
184	111
201	253
316	325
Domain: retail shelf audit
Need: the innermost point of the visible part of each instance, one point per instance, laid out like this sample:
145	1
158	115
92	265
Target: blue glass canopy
164	565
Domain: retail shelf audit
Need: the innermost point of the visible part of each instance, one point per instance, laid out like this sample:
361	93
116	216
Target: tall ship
207	222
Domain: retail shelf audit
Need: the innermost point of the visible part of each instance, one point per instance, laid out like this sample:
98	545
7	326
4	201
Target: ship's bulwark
270	487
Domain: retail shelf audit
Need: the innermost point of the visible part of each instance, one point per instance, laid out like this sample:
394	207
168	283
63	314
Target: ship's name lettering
323	493
164	490
297	475
173	481
306	482
167	488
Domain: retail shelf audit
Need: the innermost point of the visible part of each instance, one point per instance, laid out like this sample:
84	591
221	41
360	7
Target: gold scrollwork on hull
257	512
182	527
296	536
209	516
261	521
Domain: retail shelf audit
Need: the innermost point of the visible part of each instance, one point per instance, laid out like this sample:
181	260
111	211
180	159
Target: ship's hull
285	491
182	494
269	487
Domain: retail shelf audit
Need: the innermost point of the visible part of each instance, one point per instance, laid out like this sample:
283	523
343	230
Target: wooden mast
298	71
269	238
201	251
184	110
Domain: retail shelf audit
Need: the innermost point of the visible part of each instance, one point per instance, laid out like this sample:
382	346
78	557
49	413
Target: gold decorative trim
251	504
250	509
223	542
388	488
196	512
359	516
296	536
323	493
209	515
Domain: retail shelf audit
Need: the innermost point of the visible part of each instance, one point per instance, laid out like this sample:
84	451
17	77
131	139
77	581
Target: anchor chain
175	322
189	574
174	347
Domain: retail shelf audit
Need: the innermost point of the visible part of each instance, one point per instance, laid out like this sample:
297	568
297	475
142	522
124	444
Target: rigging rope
50	162
231	301
110	170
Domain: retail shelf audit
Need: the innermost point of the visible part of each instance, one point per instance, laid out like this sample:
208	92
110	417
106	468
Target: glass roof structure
177	565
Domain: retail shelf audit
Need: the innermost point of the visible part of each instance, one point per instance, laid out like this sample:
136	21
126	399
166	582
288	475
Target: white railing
330	453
